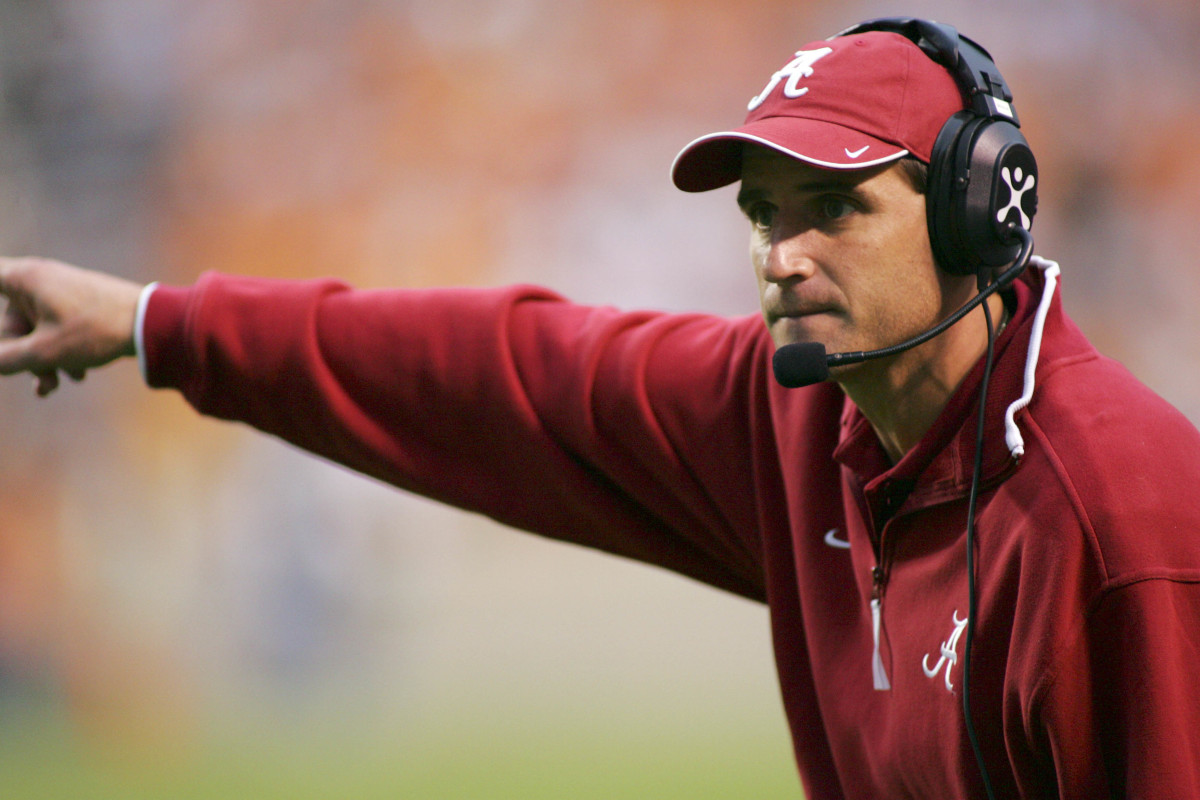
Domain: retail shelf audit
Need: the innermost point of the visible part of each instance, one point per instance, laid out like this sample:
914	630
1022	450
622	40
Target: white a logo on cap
799	67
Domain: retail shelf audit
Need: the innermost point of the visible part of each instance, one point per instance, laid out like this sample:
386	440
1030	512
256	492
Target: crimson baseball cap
845	103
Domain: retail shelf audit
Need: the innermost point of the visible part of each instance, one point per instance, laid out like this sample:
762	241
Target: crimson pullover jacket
663	437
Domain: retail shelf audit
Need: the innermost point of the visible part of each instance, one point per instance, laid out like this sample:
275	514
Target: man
847	506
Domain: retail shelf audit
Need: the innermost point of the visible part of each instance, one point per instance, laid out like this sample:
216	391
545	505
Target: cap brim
715	160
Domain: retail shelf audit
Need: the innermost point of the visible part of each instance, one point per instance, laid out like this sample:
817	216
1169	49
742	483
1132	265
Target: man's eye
836	208
762	215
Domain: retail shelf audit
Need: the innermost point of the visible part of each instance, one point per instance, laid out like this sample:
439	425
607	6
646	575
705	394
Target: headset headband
973	68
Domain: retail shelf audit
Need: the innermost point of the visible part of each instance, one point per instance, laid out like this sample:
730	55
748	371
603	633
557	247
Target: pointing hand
60	317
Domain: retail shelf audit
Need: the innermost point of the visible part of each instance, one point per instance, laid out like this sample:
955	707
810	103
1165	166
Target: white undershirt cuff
138	325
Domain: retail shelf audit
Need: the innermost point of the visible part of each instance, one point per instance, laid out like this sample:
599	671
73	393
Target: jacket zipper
878	672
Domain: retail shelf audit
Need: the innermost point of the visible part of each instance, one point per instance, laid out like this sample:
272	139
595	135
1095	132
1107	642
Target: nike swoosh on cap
858	152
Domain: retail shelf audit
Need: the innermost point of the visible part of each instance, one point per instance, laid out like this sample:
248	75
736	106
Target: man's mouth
801	313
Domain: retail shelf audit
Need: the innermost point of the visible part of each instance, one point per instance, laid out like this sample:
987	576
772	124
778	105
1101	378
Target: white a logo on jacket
949	655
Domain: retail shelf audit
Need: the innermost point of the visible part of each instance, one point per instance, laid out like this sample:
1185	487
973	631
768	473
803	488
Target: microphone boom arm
1005	278
804	363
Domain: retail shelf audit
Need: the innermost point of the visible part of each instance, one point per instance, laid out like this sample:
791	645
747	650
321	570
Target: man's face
842	256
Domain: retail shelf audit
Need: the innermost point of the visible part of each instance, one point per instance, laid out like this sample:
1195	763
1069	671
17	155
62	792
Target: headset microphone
804	363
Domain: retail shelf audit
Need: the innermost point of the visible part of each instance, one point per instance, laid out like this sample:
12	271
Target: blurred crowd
147	556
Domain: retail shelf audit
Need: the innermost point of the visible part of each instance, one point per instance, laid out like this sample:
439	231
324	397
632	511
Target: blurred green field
495	754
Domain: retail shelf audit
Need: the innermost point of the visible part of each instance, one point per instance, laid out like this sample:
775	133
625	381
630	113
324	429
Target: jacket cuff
160	335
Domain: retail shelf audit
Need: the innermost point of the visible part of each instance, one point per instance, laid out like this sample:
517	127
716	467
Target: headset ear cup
1002	191
982	178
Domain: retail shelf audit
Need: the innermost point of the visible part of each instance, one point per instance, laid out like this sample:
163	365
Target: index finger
18	355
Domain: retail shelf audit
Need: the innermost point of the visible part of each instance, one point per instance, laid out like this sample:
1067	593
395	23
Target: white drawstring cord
1012	434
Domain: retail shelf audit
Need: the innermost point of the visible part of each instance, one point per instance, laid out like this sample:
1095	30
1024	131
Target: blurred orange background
166	579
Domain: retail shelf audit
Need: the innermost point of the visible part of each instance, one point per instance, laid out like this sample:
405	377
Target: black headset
982	173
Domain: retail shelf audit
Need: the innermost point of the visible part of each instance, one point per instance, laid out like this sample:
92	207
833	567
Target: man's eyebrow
747	196
851	186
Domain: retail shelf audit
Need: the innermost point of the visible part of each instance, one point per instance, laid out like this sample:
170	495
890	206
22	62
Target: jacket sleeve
610	429
1123	709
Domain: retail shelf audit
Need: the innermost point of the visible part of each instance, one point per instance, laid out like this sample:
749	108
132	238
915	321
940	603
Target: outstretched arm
64	318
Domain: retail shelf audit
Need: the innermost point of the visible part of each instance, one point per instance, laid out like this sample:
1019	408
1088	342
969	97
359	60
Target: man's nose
790	256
